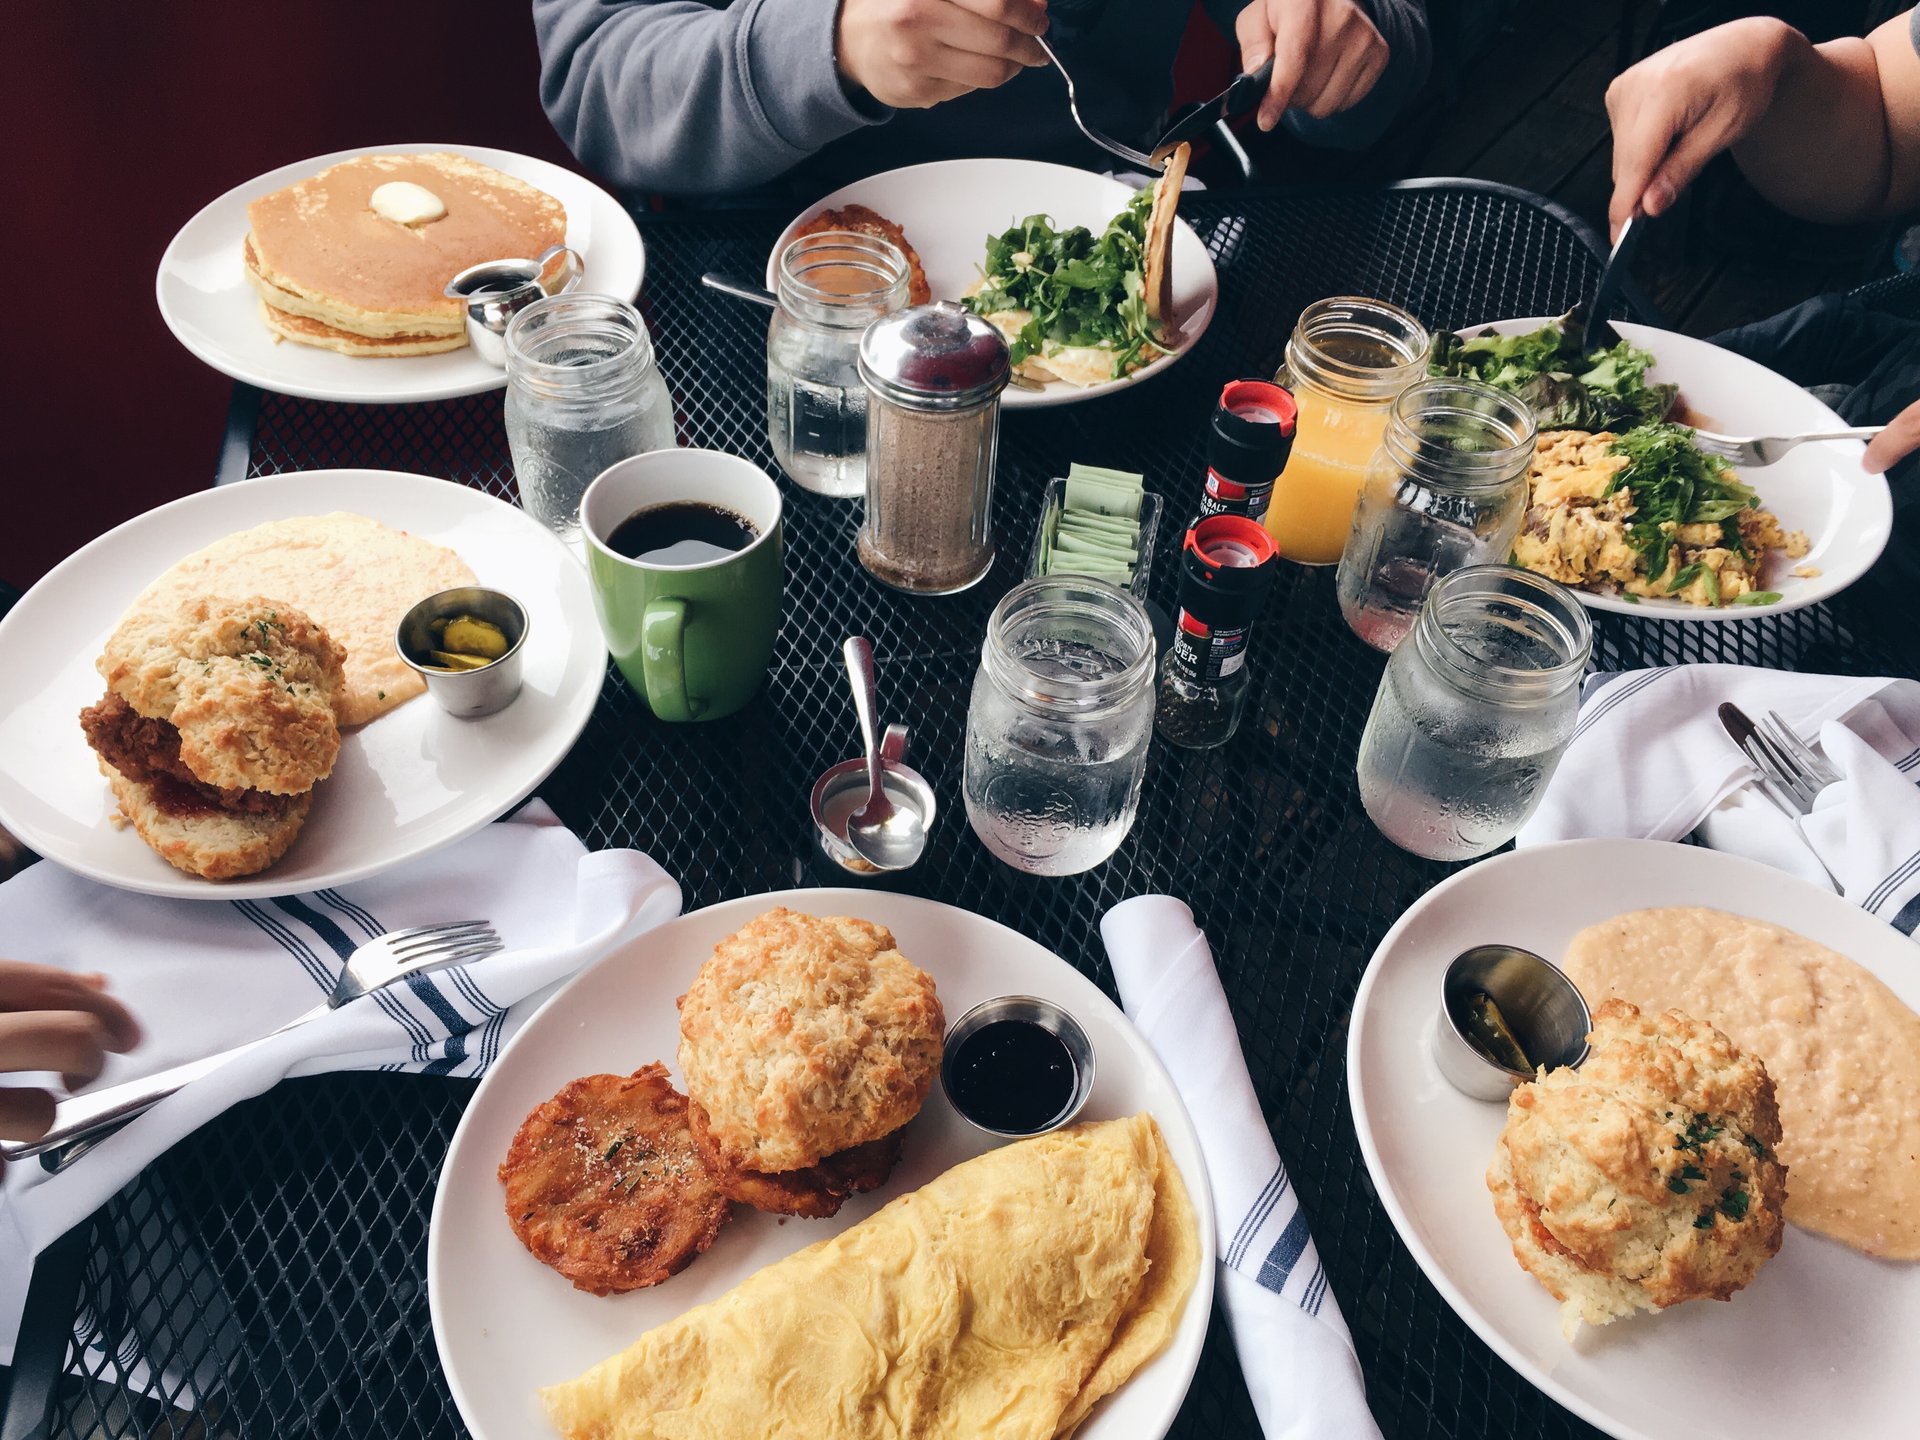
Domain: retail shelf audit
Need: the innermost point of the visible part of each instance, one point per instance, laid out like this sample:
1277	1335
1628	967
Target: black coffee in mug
682	532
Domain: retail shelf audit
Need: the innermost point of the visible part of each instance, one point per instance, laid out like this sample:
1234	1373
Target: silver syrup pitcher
497	290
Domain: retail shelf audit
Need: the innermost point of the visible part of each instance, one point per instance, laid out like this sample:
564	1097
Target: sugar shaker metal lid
934	357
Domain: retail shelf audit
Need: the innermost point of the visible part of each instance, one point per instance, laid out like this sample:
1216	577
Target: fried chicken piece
815	1193
605	1185
148	751
862	221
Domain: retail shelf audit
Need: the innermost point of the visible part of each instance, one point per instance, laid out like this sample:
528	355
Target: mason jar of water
1474	711
1058	727
1446	489
582	392
832	285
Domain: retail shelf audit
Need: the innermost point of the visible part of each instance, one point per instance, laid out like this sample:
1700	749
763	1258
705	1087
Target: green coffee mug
692	640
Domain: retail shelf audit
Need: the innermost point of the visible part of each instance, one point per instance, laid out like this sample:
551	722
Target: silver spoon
886	836
739	289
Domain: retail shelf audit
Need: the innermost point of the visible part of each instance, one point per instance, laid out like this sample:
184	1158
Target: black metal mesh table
267	1276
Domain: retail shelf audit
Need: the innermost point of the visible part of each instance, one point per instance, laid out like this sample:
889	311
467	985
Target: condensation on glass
1446	489
831	286
1474	712
1058	726
582	392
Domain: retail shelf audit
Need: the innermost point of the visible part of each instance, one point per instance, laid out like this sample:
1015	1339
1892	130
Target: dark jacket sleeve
678	97
1403	25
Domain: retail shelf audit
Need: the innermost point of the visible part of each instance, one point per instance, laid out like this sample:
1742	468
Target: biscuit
803	1036
214	844
603	1183
815	1193
1647	1177
249	684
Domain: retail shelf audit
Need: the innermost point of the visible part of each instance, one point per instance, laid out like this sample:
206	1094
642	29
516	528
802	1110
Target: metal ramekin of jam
1017	1065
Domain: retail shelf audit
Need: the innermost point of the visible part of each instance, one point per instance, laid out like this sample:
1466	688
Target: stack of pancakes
333	273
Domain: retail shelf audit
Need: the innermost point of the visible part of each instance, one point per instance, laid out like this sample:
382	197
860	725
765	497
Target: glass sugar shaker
1474	711
1446	489
832	285
582	392
933	374
1059	723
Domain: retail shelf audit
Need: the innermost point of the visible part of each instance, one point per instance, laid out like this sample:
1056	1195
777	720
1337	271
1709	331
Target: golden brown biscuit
1648	1176
803	1036
604	1184
815	1193
192	835
248	683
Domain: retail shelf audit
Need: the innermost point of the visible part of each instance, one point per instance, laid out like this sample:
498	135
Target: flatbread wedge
1158	273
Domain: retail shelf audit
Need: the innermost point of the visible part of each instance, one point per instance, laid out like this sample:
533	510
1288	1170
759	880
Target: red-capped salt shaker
1247	447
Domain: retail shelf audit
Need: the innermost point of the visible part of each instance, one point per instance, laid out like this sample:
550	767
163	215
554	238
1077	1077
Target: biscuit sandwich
807	1042
1648	1176
217	723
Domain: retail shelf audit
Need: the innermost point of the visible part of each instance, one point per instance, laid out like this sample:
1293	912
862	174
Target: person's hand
1681	106
53	1020
910	54
1893	444
1326	55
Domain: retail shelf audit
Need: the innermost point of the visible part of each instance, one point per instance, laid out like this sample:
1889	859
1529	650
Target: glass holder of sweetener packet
1097	522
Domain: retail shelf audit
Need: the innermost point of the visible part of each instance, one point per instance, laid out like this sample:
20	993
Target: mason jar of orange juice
1348	359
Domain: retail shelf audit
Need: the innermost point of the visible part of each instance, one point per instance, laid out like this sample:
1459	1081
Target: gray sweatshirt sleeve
675	96
1403	25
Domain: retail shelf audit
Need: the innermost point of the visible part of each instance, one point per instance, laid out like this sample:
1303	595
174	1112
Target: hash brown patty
605	1185
815	1192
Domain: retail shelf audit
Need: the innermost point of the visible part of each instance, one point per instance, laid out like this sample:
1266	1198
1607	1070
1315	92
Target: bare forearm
1820	151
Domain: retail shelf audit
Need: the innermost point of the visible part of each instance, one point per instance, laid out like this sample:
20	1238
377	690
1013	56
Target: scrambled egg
1577	534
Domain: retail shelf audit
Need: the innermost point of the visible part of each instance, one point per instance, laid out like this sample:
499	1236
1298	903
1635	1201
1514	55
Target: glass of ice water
1058	727
582	392
1473	712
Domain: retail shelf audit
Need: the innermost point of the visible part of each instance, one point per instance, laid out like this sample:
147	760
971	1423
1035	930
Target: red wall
121	120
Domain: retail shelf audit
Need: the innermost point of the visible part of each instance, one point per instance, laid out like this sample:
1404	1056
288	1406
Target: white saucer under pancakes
206	299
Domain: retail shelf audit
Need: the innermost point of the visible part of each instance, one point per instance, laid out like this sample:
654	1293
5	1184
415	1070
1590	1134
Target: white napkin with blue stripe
1294	1348
202	976
1649	758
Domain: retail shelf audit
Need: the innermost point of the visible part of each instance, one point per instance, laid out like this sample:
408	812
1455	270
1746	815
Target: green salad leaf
1675	483
1568	385
1082	288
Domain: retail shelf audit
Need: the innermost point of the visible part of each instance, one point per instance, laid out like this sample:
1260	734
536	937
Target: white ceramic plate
206	301
1820	1342
407	783
506	1325
1821	489
950	207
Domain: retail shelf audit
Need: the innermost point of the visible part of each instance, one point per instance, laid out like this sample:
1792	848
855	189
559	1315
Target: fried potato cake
605	1184
862	221
815	1193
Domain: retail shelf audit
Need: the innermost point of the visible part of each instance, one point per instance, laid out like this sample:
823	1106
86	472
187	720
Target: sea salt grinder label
1229	497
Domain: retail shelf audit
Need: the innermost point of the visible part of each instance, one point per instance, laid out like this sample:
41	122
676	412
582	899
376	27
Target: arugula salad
1619	498
1072	304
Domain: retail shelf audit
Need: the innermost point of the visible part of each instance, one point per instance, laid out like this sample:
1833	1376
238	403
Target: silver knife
1740	727
1239	97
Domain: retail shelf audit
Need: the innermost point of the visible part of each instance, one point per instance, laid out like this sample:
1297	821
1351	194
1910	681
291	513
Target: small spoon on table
886	836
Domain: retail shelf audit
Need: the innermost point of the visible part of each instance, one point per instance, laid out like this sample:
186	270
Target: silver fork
1807	765
1757	450
1111	146
374	966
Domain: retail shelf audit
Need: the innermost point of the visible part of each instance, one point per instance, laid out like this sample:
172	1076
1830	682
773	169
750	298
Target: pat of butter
406	203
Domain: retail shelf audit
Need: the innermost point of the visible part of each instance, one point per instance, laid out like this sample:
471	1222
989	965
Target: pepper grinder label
1201	654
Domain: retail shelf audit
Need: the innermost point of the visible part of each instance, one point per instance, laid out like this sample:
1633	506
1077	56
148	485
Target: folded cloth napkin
1294	1348
1650	758
204	975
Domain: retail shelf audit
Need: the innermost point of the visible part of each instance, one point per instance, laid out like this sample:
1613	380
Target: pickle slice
1490	1034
